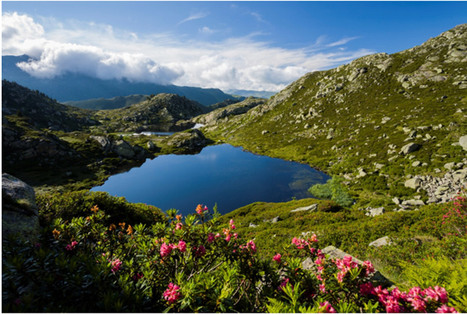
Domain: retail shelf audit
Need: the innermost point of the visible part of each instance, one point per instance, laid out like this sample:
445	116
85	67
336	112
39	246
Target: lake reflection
220	174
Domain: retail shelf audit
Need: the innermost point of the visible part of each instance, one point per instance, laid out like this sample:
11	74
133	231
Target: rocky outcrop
377	278
381	242
439	189
190	141
311	208
217	115
19	212
120	147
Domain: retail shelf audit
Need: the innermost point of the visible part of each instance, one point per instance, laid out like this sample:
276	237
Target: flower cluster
71	246
166	249
172	293
200	209
116	264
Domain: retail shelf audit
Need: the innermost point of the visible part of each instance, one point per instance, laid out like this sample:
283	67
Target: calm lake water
220	174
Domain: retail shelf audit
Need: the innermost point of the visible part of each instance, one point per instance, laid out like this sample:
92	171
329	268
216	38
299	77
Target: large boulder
123	149
413	183
409	148
19	213
189	141
463	142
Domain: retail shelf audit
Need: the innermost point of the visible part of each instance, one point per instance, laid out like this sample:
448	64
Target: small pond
220	174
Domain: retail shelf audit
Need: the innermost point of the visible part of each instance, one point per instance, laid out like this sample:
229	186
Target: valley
389	129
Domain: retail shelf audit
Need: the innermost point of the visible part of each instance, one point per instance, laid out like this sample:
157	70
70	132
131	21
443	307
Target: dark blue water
220	174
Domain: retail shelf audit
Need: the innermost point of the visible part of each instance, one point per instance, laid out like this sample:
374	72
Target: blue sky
229	45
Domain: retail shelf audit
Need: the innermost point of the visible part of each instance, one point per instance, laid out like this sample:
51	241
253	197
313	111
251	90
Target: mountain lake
222	174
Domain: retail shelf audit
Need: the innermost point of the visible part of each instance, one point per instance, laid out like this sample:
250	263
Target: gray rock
264	132
463	142
123	149
409	148
312	207
19	213
372	212
413	203
413	183
150	145
377	278
252	225
396	200
450	165
381	242
103	141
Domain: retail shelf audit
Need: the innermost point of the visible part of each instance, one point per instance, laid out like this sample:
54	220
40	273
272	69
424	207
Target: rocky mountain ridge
374	121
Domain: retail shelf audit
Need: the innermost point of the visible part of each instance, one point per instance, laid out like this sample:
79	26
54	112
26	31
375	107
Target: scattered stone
409	148
416	163
449	165
264	132
312	207
396	200
413	203
381	242
413	183
252	225
372	212
463	142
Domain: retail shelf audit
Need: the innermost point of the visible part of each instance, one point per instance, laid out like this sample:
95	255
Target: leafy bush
440	272
334	190
191	265
77	203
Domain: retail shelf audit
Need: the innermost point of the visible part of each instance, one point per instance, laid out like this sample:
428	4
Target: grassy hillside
354	121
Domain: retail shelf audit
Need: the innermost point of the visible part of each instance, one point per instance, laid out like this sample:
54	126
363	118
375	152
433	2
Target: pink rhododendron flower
367	288
231	223
210	238
200	209
396	293
165	249
392	305
172	293
228	237
418	304
299	243
446	309
322	288
277	257
116	264
178	226
326	307
182	246
283	284
137	277
251	245
436	294
314	238
71	246
369	268
199	251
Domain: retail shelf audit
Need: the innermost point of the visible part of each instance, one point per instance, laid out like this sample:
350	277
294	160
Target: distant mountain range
249	93
75	87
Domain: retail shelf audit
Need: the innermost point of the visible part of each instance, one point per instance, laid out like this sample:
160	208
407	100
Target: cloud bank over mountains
100	51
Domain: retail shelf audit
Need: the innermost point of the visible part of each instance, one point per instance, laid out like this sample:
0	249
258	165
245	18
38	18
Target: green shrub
334	190
77	203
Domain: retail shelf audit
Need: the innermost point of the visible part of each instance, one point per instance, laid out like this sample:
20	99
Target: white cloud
341	42
192	17
20	34
206	30
101	51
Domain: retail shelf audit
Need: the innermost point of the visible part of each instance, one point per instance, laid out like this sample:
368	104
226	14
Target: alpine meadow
351	195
